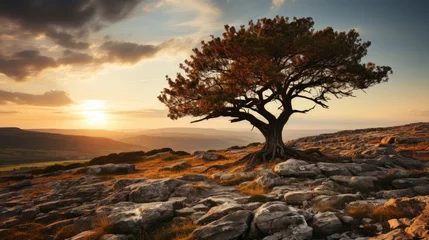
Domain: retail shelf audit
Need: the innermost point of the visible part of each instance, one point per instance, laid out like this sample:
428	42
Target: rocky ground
379	191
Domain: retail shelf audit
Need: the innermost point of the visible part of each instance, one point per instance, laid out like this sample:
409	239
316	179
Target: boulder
194	177
326	223
20	185
296	168
421	190
229	227
208	156
398	193
299	232
130	218
153	190
410	182
268	178
122	183
332	169
298	197
53	205
218	211
408	163
274	217
109	168
336	201
180	166
364	183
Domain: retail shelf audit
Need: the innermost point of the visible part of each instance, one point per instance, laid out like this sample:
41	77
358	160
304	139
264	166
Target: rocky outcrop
296	168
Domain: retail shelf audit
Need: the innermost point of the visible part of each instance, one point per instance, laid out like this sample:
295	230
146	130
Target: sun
93	110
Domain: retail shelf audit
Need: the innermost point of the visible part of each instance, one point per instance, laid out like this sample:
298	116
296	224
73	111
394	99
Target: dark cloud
50	99
126	52
66	40
65	21
75	58
145	113
25	64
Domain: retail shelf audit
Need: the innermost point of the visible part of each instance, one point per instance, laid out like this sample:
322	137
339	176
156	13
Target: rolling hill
26	146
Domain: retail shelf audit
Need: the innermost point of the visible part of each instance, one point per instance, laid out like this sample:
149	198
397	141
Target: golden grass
201	186
176	231
103	226
385	212
28	195
55	178
252	189
29	231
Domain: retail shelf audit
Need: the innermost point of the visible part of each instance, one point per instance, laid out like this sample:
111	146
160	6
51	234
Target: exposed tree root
268	154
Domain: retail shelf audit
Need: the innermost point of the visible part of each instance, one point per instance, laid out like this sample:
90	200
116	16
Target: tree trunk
274	148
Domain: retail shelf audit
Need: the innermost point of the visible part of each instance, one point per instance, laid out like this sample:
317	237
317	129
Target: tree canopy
271	60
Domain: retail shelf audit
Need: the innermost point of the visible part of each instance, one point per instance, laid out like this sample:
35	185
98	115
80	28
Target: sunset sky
102	63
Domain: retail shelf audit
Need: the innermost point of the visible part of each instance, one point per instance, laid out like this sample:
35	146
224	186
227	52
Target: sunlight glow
93	110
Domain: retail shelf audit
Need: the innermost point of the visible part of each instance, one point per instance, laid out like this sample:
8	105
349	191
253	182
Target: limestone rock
208	156
218	211
274	217
300	232
128	217
326	223
153	190
410	182
296	168
298	197
357	182
229	227
332	169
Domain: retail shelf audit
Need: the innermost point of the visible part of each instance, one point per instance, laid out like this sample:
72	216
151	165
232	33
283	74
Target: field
37	164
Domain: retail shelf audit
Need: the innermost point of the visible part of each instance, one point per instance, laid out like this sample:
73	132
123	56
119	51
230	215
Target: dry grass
103	226
35	192
383	213
176	231
29	231
252	189
65	232
200	186
55	178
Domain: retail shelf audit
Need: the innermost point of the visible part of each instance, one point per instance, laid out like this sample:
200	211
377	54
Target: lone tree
270	61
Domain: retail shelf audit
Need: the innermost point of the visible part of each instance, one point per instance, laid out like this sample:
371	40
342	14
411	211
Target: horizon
64	73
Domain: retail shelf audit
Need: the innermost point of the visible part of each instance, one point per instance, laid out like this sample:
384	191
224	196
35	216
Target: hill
191	139
17	145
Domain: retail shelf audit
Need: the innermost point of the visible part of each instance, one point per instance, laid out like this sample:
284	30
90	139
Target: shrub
251	188
178	230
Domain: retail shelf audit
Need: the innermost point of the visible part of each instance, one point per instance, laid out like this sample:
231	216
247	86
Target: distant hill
191	139
22	145
112	134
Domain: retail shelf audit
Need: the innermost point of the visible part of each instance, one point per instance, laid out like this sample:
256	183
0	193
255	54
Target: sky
102	63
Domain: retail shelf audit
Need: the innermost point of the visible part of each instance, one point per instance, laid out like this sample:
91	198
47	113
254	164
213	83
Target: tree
270	61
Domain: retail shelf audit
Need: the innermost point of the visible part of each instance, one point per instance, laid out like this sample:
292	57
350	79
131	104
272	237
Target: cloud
206	15
63	21
145	113
276	4
25	64
75	58
51	98
126	52
7	112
